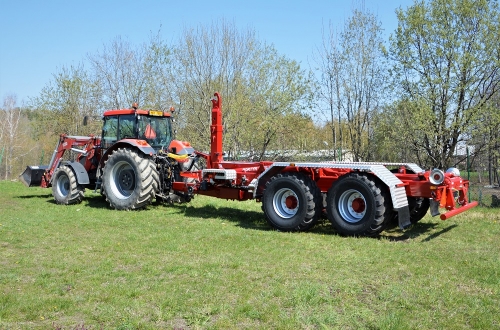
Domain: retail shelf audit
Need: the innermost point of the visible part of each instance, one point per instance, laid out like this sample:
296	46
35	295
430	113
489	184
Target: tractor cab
152	126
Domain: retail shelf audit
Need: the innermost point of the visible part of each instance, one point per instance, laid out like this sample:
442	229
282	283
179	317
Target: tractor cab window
126	127
109	131
116	128
155	130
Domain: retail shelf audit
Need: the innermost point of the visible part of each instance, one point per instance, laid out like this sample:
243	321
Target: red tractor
136	160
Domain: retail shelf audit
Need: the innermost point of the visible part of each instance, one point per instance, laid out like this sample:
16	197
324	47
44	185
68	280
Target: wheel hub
286	203
63	185
358	205
122	180
352	206
126	179
291	202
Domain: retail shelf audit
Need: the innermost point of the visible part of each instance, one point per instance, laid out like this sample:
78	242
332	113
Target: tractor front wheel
129	180
355	206
65	187
289	204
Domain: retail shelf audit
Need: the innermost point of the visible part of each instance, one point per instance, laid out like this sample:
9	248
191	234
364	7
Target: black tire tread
306	185
380	217
317	200
76	191
149	179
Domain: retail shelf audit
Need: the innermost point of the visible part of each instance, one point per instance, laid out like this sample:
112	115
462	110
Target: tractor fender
141	145
180	147
82	177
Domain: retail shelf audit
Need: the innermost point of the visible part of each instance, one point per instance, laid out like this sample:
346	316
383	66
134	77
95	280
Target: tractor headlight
454	171
436	176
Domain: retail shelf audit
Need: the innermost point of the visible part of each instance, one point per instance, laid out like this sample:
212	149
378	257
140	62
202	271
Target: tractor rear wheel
65	187
129	179
355	206
291	202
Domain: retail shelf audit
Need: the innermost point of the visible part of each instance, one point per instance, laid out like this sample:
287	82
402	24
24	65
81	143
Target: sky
39	38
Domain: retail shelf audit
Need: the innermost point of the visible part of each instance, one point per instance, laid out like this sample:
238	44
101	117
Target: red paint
131	112
216	131
454	212
358	205
291	202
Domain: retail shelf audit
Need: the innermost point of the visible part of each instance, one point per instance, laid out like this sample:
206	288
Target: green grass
216	264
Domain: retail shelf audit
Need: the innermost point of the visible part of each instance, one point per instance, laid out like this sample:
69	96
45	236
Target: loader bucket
32	175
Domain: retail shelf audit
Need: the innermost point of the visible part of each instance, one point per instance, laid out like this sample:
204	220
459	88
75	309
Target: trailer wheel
129	180
355	206
318	201
289	204
418	208
65	187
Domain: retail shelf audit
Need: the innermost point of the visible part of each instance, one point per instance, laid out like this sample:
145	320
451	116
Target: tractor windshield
155	130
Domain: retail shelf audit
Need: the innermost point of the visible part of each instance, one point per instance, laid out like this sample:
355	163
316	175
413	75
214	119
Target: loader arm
42	175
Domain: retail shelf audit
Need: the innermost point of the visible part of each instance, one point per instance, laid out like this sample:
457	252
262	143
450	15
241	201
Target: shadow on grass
243	218
34	196
257	221
442	231
96	201
417	230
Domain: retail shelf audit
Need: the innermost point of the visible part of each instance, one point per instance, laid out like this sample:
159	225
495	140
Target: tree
446	57
63	102
329	61
279	91
485	141
259	89
14	137
209	59
352	80
130	74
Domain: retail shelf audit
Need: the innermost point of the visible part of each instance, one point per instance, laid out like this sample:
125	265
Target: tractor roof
155	113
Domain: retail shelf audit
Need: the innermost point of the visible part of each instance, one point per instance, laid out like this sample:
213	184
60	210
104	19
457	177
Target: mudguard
142	145
82	177
180	147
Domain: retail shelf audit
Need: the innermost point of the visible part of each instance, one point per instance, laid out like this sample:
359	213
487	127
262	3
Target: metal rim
122	180
63	185
352	206
286	203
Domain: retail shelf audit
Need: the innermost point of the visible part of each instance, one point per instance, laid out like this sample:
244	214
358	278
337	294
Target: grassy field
216	264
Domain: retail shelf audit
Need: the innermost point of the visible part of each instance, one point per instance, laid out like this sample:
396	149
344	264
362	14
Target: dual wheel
355	204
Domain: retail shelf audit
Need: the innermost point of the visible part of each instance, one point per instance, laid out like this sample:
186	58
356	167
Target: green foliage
216	264
353	79
260	89
63	103
446	54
